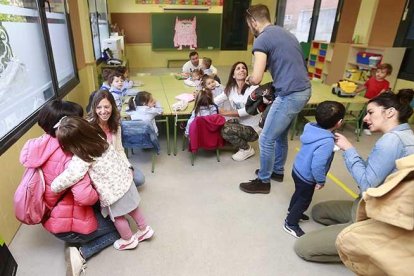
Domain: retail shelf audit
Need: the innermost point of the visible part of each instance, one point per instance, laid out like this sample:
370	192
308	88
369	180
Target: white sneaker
122	244
367	132
75	263
243	154
146	234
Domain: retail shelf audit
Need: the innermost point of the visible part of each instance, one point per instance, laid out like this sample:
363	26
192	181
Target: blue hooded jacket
314	159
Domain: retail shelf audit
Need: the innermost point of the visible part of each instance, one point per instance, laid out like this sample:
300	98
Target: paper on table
185	97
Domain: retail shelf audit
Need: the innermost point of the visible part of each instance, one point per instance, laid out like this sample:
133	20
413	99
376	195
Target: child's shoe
146	234
294	230
122	244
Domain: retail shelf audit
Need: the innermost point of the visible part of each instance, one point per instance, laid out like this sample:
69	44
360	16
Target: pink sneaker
122	244
146	234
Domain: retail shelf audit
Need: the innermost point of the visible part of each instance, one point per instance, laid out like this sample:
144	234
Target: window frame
281	11
407	19
100	59
18	131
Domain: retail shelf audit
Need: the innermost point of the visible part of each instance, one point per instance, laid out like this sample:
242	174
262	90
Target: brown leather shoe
255	186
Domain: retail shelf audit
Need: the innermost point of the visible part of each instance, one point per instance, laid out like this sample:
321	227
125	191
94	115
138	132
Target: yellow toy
344	88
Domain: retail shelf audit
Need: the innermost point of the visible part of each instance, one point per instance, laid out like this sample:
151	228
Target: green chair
300	119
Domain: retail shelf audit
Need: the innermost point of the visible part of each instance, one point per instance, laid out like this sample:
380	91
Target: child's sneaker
75	263
146	234
122	244
367	132
243	154
294	230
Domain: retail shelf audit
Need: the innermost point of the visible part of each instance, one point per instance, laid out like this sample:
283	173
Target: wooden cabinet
388	55
344	59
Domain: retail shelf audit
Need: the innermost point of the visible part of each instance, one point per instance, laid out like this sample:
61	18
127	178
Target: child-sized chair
140	134
205	133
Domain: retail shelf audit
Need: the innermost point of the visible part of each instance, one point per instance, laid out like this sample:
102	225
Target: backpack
29	206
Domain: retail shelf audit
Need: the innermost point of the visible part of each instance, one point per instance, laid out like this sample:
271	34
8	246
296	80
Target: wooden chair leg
218	155
192	158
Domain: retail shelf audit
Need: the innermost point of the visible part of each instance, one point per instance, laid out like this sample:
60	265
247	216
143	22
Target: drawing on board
185	33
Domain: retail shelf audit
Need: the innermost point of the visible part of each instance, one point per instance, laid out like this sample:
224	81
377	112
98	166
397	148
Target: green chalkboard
208	30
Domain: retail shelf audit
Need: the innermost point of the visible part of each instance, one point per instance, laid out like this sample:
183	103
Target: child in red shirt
376	85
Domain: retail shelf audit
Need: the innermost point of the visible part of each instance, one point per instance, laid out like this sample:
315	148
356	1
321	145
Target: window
308	19
36	62
98	15
405	38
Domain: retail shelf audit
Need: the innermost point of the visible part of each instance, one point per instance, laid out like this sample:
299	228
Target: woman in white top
245	128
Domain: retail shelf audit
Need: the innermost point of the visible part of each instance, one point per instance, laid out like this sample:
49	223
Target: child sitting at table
376	85
210	83
195	79
144	107
106	73
125	72
204	105
116	80
206	67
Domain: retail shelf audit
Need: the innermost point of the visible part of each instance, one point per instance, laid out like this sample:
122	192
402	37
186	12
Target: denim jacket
381	161
139	134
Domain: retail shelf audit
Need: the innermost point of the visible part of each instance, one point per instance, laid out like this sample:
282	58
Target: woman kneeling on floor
388	113
239	132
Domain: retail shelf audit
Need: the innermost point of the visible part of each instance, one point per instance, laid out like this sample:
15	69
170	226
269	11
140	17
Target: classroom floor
204	225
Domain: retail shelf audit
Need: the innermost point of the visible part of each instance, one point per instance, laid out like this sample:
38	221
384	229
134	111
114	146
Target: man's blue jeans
273	140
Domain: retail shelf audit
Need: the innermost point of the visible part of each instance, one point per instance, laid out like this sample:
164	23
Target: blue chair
140	134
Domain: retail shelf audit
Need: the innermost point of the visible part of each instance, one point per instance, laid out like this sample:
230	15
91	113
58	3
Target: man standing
279	51
195	63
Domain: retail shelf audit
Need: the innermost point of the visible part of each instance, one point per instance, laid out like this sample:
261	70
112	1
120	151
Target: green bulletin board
208	29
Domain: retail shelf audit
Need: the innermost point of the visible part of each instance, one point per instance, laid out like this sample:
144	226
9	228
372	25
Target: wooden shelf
390	55
364	66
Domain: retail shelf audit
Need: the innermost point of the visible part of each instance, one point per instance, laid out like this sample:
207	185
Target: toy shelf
317	59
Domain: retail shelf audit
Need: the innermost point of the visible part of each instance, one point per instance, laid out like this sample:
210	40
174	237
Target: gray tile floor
204	225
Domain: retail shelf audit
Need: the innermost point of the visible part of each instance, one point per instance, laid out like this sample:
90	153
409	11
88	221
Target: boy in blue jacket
313	161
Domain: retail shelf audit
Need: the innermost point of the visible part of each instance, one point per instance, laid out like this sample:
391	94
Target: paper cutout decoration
185	33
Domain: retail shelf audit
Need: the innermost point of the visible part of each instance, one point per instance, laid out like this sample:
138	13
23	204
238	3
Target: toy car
344	88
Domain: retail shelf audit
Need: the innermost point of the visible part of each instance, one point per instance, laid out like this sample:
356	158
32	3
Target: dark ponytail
131	104
401	102
405	97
